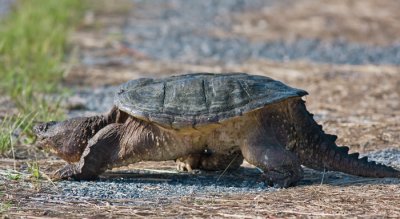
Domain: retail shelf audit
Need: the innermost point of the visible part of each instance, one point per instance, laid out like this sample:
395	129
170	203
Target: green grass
9	128
34	170
5	206
32	51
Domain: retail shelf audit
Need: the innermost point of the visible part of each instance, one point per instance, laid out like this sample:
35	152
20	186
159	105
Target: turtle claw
66	172
182	166
188	163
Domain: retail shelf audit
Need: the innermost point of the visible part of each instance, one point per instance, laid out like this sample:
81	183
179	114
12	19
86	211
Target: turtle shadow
333	178
242	177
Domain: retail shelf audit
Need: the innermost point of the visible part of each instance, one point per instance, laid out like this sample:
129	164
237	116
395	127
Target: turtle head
67	139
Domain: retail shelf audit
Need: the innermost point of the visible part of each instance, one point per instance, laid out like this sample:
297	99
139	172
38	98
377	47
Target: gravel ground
142	184
88	102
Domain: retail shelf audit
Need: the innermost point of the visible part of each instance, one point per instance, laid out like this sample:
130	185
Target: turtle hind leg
101	151
210	161
281	167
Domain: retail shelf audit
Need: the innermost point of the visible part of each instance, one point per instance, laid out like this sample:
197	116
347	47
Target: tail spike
354	155
321	151
344	149
332	137
364	159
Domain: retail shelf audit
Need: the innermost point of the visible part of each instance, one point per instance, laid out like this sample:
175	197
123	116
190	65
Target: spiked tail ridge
338	159
318	150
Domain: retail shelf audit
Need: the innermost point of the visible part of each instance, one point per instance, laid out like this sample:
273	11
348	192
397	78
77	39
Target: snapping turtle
205	121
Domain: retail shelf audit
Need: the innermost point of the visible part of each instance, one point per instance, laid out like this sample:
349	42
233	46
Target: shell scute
201	98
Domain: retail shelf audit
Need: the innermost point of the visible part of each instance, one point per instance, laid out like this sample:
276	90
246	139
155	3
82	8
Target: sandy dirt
358	102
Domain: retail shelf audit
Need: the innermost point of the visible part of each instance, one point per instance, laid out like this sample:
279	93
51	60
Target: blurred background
61	59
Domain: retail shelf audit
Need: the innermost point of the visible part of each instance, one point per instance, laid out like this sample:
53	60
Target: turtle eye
121	91
39	128
43	127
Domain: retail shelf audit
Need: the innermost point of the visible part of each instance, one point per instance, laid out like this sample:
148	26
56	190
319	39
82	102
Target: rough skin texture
278	138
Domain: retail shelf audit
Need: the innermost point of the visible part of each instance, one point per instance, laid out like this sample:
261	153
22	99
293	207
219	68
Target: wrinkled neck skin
68	139
82	129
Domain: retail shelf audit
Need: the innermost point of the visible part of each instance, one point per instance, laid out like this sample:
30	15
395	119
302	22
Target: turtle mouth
42	136
43	143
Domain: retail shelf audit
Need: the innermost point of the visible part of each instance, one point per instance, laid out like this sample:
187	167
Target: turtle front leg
281	167
67	171
210	161
101	151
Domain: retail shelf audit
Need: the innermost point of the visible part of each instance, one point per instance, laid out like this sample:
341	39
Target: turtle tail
318	150
338	159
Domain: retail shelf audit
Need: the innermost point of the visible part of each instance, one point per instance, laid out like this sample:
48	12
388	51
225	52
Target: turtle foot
66	172
71	171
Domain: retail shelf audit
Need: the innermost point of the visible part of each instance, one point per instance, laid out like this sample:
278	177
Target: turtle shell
199	99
